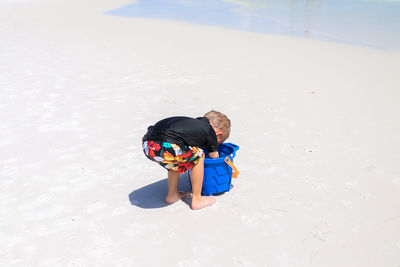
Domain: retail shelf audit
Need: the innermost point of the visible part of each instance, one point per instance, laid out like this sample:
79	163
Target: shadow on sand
152	196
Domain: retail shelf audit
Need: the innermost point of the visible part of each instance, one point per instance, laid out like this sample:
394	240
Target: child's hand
213	155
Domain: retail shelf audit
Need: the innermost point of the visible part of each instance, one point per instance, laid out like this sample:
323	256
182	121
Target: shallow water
374	23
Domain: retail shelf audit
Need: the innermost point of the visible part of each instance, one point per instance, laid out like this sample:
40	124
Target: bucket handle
235	172
235	147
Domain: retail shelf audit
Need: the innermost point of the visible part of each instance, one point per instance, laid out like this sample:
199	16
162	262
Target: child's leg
196	178
173	194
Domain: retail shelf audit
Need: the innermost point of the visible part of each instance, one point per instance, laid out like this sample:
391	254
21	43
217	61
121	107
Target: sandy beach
318	126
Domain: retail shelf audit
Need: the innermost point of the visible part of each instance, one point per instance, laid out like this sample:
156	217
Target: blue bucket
218	172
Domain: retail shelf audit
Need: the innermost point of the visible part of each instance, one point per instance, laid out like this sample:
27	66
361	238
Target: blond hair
219	121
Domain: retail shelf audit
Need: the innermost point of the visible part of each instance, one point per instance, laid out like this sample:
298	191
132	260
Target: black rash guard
184	131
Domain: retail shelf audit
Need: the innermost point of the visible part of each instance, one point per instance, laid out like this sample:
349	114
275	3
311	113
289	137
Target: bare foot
174	198
203	202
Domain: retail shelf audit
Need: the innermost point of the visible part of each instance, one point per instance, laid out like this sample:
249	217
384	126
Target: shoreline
312	20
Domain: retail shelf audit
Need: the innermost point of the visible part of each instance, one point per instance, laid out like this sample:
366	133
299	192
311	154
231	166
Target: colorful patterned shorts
171	156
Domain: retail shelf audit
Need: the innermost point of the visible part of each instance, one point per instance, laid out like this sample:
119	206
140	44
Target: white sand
318	125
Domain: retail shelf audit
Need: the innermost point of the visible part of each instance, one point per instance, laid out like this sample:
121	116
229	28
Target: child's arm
213	155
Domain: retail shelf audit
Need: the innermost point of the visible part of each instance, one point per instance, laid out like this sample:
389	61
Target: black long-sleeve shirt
184	131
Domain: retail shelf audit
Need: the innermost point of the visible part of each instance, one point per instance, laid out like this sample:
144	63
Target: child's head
220	123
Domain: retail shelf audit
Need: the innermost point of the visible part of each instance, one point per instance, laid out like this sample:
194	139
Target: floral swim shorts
171	156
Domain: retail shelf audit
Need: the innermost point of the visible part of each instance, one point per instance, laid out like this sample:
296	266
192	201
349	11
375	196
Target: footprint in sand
95	207
188	263
240	261
119	211
77	263
203	252
396	181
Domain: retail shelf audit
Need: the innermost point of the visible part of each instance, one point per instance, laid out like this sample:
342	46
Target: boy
176	144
